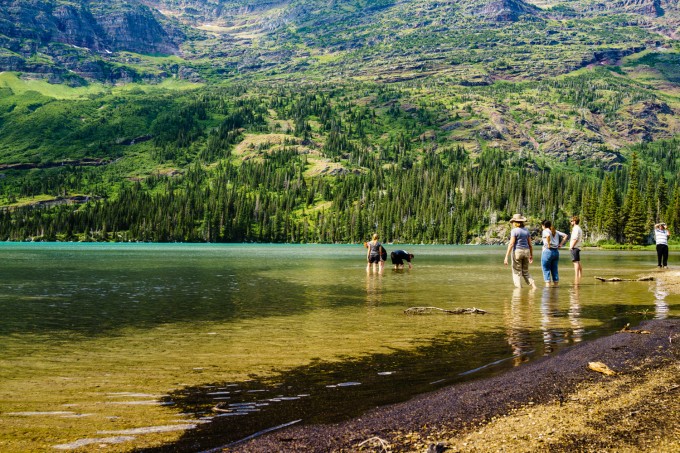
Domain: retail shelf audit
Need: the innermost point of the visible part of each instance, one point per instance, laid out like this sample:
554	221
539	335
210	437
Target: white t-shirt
661	236
576	237
550	241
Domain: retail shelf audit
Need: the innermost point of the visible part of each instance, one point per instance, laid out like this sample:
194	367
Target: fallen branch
626	329
456	311
617	279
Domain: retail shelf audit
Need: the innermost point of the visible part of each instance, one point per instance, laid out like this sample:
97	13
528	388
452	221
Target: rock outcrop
75	37
507	10
96	26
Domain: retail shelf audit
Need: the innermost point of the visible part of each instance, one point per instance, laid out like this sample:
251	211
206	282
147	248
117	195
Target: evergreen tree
609	209
635	230
661	200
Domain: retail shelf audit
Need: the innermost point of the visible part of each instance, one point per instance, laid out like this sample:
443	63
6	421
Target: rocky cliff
57	37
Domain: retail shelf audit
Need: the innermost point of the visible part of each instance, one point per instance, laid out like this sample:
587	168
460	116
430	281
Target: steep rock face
134	28
74	26
130	27
57	38
649	8
645	7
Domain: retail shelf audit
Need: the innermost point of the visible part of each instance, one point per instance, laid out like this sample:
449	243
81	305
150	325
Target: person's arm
368	253
511	245
564	238
531	251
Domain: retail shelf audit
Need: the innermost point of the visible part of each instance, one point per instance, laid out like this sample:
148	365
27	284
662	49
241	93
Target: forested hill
308	121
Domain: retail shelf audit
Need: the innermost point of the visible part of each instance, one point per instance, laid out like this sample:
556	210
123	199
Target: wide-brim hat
518	218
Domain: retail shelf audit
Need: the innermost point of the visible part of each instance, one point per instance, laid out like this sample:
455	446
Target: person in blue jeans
550	255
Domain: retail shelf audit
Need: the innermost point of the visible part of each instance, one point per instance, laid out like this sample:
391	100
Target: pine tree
661	199
635	229
609	210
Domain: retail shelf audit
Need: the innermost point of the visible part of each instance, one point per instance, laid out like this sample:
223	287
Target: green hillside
309	121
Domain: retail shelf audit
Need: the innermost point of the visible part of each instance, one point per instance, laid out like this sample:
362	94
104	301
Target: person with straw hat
522	252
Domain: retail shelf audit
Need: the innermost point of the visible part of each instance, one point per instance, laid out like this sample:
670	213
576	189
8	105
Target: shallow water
245	337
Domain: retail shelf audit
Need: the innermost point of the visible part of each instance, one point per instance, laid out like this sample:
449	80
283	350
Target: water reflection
549	313
553	329
660	304
574	314
518	325
212	317
374	288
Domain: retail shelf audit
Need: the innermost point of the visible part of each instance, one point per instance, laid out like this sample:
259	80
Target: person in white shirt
575	246
661	235
550	255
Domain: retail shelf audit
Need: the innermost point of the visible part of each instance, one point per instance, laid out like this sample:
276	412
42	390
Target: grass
19	86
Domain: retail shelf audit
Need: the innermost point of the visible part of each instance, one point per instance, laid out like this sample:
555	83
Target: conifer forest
316	164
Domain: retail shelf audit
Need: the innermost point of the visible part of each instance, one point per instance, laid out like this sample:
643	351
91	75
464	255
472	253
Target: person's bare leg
577	271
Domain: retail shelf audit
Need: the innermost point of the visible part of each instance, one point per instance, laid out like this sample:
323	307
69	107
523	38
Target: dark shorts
396	260
575	255
373	258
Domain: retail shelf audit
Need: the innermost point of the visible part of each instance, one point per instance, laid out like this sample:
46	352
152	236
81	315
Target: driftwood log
455	311
617	279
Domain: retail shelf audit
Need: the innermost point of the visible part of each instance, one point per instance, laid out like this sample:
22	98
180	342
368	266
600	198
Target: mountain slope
341	101
470	41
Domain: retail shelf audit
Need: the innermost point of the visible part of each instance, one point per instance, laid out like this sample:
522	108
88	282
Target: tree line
448	196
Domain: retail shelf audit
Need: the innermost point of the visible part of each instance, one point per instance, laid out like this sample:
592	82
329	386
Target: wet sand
450	418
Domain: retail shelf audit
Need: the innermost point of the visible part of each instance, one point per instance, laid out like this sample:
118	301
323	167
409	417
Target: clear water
265	334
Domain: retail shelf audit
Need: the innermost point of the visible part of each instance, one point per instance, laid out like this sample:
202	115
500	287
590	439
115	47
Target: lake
133	346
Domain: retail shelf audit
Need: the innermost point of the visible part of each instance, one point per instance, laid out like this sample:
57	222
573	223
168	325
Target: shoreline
458	415
550	404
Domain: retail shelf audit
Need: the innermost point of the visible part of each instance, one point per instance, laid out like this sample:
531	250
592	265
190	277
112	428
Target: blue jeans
549	260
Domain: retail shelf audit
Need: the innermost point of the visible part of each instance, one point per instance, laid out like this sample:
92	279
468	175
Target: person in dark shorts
398	257
575	246
375	254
